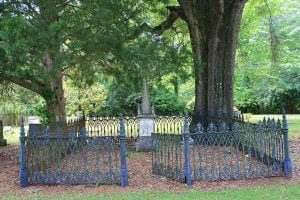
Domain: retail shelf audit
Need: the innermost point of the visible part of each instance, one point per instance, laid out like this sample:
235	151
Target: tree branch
26	84
31	8
175	13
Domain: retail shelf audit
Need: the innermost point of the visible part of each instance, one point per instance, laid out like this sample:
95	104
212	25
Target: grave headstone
3	142
146	121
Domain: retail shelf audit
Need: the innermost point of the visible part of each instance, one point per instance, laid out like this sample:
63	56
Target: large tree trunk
54	94
55	103
213	27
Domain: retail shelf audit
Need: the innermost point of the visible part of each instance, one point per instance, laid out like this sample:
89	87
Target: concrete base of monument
3	142
144	144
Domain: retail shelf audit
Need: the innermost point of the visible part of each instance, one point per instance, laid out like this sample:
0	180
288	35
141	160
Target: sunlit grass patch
279	192
293	122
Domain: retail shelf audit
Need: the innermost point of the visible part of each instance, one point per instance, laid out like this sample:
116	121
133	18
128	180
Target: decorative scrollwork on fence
223	151
54	157
109	126
170	124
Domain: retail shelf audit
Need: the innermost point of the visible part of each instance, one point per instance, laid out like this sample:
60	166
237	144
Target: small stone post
187	164
124	170
146	118
23	175
3	142
287	168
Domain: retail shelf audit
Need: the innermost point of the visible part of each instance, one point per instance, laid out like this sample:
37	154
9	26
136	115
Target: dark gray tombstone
3	142
35	129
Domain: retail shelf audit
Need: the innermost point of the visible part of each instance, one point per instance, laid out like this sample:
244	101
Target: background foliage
267	73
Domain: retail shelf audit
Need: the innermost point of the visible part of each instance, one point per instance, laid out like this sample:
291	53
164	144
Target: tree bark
54	93
51	91
175	83
213	27
55	103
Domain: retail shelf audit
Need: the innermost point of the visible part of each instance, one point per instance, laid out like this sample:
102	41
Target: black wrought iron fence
167	156
76	125
170	124
53	157
99	126
223	152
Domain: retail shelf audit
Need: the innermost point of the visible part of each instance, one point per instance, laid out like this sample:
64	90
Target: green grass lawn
12	136
293	123
278	192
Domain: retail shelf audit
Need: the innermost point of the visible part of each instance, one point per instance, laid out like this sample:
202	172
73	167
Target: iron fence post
23	174
187	164
287	168
124	170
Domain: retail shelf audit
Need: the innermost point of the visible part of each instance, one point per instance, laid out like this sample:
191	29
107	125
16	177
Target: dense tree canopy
63	49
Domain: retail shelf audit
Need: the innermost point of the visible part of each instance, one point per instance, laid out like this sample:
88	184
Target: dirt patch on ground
140	177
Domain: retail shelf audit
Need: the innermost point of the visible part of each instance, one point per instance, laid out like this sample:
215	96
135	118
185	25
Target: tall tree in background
213	27
43	40
33	34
